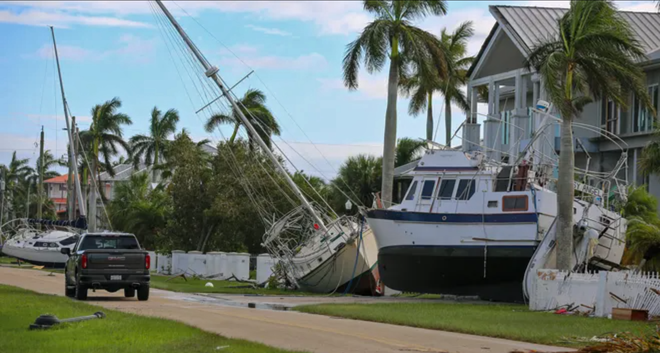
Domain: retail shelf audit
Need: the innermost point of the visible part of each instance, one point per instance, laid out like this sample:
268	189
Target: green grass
5	260
192	285
118	332
514	322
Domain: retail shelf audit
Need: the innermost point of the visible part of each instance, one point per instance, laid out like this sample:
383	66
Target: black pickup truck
108	261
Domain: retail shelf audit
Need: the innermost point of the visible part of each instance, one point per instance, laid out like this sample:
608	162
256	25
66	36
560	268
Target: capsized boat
25	241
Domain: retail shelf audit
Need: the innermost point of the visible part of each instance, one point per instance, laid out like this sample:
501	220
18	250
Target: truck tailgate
116	259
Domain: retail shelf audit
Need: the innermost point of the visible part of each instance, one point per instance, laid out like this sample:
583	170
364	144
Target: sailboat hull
41	257
335	274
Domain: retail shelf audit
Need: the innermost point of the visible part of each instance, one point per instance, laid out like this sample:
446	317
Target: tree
359	176
253	105
594	56
14	175
408	150
421	88
138	209
103	139
393	35
153	146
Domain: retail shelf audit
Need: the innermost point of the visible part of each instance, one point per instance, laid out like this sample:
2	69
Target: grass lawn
118	332
7	260
178	284
498	320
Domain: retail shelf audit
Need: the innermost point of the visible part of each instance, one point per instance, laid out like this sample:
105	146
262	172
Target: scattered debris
208	284
220	347
38	267
630	314
175	276
47	321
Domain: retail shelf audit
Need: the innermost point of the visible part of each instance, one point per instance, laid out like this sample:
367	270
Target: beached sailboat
469	225
316	249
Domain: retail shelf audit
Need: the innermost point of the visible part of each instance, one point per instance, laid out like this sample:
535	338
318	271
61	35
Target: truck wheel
69	291
129	292
143	292
80	290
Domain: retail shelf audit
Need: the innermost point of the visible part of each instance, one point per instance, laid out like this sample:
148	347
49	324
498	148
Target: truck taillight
147	261
83	259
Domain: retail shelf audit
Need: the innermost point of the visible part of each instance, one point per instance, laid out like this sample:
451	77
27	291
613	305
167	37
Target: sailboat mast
73	163
212	73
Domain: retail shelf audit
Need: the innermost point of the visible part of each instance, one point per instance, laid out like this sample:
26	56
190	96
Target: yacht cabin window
465	189
446	189
514	203
427	189
411	192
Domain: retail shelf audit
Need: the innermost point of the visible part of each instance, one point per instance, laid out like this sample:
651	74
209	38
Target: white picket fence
597	292
213	265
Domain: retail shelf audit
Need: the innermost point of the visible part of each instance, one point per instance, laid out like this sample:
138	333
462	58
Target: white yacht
468	226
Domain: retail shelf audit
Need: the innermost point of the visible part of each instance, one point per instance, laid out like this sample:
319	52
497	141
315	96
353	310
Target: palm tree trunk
92	195
448	122
565	196
429	118
233	135
153	173
389	141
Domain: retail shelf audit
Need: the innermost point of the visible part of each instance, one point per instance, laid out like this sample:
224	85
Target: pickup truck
108	261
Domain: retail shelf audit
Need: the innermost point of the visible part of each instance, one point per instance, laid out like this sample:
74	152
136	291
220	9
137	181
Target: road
283	329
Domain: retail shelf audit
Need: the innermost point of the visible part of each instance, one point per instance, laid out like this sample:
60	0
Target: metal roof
533	25
529	26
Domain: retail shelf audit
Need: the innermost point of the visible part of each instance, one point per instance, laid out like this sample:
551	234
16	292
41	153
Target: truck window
109	242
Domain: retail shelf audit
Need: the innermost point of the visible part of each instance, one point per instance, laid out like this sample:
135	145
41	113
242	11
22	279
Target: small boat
39	247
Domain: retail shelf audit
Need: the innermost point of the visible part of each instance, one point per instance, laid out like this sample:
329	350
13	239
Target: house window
411	192
506	120
427	189
642	117
465	189
610	118
62	187
446	189
514	203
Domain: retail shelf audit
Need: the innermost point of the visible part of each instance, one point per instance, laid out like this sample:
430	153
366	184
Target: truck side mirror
65	251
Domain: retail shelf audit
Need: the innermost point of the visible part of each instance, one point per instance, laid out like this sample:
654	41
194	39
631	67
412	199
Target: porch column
493	125
471	130
519	119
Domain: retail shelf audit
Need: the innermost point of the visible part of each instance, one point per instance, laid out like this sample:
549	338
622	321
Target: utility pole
40	186
70	193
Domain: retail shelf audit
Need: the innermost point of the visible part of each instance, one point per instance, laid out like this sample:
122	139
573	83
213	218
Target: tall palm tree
103	140
152	147
13	174
392	35
408	150
254	108
421	88
594	56
49	162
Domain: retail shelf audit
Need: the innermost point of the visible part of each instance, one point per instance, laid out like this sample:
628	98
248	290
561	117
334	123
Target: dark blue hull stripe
452	217
443	169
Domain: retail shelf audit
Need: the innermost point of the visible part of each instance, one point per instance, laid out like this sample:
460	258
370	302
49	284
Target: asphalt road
284	329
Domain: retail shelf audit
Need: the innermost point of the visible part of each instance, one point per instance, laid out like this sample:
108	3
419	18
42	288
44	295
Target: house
512	90
56	189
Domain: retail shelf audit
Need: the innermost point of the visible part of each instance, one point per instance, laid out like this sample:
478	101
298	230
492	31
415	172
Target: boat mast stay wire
280	104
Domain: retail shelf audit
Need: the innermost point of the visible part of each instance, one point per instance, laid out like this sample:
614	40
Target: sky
120	49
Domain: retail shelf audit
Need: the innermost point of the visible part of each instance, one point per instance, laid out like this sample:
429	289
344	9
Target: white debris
208	284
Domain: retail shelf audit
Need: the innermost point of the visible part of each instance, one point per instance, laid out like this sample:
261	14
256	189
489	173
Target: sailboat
38	241
472	225
316	249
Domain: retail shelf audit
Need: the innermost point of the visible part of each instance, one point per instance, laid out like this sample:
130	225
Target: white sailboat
39	241
469	225
316	249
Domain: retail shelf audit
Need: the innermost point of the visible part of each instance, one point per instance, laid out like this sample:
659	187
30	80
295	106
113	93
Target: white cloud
130	46
369	86
255	61
61	19
274	31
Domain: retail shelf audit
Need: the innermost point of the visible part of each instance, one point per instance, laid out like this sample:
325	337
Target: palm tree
393	35
360	176
13	175
594	56
254	108
49	161
103	139
421	88
152	147
408	150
